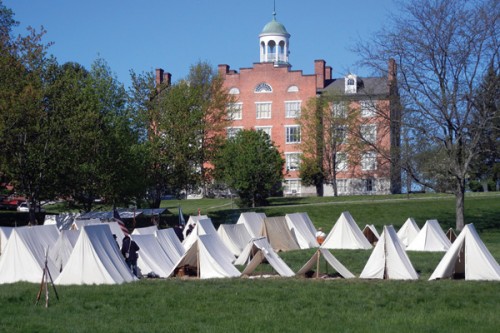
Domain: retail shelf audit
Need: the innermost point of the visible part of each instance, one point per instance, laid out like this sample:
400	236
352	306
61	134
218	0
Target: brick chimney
328	73
319	70
223	70
392	72
159	76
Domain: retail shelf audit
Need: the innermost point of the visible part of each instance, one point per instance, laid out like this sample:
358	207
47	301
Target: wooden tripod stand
46	276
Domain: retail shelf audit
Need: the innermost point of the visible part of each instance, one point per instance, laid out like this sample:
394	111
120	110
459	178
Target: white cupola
274	43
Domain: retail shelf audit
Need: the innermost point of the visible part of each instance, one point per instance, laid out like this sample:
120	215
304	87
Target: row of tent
87	253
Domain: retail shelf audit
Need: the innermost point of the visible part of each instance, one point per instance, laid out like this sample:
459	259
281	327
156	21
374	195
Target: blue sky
144	35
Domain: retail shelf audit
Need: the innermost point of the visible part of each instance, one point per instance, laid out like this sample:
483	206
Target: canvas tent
302	229
430	238
389	259
451	235
256	252
26	252
408	231
234	236
170	244
314	263
193	220
205	259
254	222
96	259
145	230
152	258
468	257
279	235
346	234
371	233
4	237
61	250
63	221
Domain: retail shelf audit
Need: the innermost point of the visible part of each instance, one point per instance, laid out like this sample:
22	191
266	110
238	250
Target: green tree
251	165
443	49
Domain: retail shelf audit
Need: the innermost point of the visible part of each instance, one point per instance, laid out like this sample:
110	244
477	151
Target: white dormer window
351	84
263	88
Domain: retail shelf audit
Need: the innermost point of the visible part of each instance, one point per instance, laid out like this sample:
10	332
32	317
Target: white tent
258	250
389	259
79	224
170	244
408	231
234	236
468	257
26	252
303	229
152	258
145	230
371	233
205	258
205	227
63	220
96	259
314	263
430	239
193	219
61	251
278	234
4	237
451	235
346	234
254	222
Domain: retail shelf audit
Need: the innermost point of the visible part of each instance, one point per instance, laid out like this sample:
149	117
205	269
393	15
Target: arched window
263	88
234	91
271	47
293	89
350	82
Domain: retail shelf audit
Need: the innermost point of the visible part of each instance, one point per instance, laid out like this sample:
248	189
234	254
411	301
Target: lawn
285	305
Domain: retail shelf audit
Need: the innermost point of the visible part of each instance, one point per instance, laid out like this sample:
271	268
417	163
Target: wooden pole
317	264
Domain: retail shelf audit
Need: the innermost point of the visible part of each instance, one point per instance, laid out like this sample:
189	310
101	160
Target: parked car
23	207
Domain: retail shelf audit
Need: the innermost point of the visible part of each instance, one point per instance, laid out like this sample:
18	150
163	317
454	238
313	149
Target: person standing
129	252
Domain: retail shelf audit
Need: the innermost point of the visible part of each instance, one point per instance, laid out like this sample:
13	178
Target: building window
341	162
263	88
292	161
292	109
342	186
235	111
263	110
369	133
234	91
368	108
339	110
369	161
232	131
292	186
292	134
293	89
265	129
368	184
339	134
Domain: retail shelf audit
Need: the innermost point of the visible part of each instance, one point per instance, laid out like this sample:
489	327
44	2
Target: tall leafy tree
251	165
443	49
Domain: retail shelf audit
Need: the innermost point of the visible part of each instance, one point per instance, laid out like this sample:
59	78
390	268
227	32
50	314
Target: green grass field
285	305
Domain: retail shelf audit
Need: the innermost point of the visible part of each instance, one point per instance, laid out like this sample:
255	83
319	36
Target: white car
23	207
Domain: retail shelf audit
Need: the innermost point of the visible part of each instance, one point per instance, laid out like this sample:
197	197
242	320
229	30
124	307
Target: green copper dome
273	28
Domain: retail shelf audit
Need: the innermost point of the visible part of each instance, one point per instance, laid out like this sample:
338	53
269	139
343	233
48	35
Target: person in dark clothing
178	232
129	251
190	229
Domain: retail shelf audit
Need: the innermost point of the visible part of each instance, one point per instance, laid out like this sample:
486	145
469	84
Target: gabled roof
367	87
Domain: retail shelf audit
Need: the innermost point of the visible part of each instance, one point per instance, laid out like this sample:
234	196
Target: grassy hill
285	305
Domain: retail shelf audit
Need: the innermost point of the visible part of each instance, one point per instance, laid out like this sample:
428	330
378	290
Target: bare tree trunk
459	204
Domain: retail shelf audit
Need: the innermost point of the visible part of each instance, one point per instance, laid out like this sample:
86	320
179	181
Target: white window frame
266	129
369	161
290	137
339	110
341	160
368	108
232	131
263	110
292	186
292	161
342	186
235	111
369	132
292	109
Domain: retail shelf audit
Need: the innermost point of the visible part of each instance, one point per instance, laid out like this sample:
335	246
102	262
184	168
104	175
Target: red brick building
270	96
